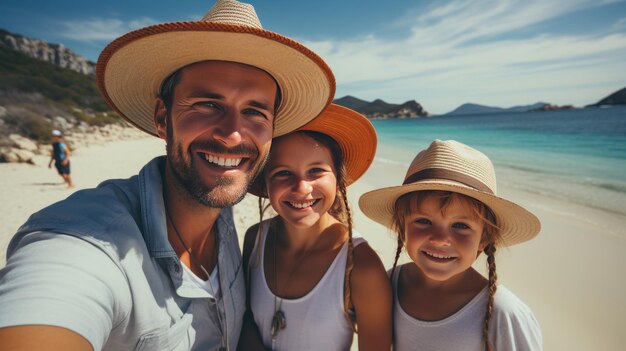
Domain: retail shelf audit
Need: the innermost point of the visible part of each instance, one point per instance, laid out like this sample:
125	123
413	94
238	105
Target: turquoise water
577	155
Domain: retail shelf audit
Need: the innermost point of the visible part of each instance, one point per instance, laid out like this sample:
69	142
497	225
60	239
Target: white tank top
315	321
513	325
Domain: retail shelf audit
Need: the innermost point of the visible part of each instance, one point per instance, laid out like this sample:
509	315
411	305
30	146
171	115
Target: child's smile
443	242
301	180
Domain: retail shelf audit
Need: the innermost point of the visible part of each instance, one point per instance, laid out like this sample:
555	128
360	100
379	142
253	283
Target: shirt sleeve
514	326
61	280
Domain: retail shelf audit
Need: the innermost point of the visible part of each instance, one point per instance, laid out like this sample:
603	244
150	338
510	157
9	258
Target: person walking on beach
311	283
153	262
446	213
61	157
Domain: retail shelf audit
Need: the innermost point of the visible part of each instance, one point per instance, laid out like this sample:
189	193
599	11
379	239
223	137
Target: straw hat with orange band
131	69
354	134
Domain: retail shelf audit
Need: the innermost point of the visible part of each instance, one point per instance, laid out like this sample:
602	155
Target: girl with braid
446	213
312	280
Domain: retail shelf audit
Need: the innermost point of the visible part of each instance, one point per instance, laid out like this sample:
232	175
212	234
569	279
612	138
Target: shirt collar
153	212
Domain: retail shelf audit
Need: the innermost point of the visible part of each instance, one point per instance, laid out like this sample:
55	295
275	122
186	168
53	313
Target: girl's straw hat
354	134
131	69
455	167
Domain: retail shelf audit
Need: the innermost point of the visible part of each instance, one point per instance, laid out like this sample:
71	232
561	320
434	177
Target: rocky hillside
44	87
56	54
381	109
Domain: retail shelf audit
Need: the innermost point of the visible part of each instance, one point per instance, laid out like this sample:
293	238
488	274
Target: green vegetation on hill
19	72
617	98
36	96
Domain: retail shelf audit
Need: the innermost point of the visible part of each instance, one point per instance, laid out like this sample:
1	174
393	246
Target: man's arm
41	337
58	287
51	159
67	154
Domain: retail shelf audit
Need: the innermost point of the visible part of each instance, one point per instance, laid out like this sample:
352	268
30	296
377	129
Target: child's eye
283	173
317	170
460	225
423	221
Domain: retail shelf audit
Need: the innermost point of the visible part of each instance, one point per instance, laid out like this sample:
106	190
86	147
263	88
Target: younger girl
311	283
446	213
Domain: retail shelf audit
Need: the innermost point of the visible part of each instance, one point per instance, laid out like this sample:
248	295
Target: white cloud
97	29
464	50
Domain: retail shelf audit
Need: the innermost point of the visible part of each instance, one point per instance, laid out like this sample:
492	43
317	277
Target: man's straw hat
455	167
354	134
130	70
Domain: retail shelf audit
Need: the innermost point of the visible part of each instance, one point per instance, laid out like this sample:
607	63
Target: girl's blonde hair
490	236
340	209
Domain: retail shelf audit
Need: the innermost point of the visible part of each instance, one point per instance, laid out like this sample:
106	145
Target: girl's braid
490	251
347	300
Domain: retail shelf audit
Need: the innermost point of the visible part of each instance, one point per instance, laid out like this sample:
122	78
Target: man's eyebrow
207	95
260	105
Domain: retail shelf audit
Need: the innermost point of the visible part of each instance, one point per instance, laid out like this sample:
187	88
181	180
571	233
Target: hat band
439	173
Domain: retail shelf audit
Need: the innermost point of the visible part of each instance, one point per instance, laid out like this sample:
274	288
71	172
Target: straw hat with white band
455	167
130	70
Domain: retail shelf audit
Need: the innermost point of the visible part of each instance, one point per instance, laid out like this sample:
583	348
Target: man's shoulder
89	214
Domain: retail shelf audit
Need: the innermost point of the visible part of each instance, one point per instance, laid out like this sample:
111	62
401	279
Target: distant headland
380	109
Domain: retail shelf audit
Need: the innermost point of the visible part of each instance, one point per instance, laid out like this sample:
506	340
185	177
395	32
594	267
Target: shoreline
571	275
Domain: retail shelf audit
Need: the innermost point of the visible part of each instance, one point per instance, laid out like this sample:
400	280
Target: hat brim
515	223
131	69
354	134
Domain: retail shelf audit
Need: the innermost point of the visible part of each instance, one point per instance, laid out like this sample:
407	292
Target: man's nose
229	129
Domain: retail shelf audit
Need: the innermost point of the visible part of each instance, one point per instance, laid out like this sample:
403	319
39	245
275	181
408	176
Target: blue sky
440	53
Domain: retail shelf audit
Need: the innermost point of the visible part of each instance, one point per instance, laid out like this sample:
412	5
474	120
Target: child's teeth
302	204
437	255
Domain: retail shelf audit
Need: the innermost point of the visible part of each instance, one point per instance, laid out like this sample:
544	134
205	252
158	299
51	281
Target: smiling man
153	262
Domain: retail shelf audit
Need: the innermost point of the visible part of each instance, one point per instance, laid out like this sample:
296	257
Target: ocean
575	155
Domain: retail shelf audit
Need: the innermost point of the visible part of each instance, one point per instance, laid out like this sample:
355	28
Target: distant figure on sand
61	157
446	213
153	262
312	283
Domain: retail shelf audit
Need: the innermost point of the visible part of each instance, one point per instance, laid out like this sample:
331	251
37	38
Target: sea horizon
574	155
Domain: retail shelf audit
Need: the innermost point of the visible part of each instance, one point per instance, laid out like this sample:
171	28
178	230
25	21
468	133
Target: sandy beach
572	275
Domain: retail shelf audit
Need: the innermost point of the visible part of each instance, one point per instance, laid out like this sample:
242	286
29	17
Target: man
153	262
61	157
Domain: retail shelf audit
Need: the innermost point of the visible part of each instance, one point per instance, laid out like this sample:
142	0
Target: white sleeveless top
315	321
513	325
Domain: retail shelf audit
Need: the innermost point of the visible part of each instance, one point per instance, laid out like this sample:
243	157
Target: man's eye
252	112
206	106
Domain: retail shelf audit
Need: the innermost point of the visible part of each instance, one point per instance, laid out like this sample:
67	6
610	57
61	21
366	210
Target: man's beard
224	192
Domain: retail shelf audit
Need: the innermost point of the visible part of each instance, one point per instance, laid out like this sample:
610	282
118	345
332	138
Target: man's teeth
223	162
302	204
436	255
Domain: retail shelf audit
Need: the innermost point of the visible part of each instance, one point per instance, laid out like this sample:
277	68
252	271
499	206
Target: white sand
572	275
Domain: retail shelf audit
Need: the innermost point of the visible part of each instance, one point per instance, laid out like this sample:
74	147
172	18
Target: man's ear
160	118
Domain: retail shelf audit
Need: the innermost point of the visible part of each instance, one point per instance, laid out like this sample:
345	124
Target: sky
441	53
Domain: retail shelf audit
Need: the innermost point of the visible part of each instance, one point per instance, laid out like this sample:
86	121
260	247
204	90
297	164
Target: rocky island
379	109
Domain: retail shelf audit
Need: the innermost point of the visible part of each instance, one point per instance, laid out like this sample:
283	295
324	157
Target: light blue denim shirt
113	276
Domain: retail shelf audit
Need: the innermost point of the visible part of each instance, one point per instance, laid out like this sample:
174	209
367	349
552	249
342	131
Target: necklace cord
222	326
